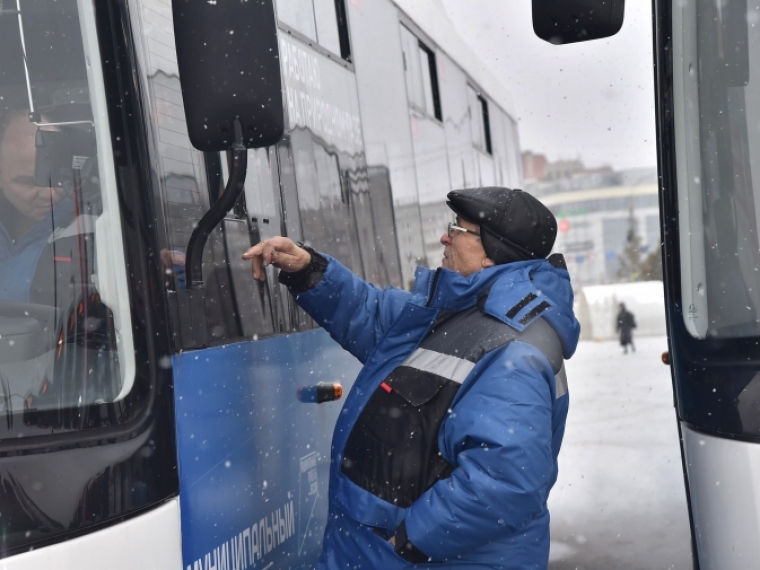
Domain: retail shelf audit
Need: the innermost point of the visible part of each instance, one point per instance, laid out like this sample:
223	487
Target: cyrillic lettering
255	543
268	541
276	528
224	557
208	565
291	519
283	525
239	558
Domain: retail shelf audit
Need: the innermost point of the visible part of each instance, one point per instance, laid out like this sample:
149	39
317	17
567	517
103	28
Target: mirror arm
235	184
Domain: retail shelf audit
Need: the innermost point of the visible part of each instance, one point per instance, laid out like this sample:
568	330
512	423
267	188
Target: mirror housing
229	68
570	21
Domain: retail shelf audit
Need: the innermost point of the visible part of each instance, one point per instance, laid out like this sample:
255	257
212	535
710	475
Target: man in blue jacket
446	448
29	213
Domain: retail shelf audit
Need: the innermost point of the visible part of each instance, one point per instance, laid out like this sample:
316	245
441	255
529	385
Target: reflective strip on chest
444	365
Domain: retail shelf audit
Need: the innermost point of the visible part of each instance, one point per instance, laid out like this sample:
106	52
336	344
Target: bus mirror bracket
229	72
189	304
215	214
569	21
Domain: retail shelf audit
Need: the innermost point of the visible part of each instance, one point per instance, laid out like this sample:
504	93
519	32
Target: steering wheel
27	330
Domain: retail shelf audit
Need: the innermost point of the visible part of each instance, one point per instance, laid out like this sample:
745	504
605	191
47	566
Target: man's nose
445	239
54	192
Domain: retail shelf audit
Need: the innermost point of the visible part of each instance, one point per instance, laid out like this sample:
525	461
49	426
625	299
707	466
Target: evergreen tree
651	266
634	267
630	259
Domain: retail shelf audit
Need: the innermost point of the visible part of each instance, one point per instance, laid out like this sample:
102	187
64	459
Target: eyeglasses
453	226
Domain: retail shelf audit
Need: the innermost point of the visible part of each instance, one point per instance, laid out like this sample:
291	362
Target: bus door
708	93
253	457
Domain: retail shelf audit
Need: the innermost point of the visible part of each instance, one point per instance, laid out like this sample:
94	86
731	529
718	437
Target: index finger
256	250
256	255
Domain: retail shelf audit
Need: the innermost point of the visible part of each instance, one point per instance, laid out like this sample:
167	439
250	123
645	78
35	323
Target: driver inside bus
28	213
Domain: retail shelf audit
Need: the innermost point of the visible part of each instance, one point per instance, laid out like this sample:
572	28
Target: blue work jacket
19	258
502	435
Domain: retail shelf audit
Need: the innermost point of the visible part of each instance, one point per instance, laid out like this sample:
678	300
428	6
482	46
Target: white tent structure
596	307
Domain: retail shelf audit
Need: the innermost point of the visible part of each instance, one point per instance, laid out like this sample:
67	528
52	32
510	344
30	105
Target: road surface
619	502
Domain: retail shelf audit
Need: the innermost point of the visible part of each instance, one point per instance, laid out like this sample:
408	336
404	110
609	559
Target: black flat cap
514	225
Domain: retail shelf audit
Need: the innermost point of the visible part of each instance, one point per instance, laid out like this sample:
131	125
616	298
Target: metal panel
251	455
321	96
722	476
156	533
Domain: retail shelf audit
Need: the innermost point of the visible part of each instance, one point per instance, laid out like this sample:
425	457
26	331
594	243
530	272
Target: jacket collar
504	285
446	289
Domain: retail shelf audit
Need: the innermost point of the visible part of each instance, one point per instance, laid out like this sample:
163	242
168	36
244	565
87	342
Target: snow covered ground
619	502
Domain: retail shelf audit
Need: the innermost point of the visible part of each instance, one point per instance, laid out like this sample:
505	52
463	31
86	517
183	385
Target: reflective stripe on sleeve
560	382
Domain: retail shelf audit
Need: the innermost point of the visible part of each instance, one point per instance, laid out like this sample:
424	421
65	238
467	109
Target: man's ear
487	262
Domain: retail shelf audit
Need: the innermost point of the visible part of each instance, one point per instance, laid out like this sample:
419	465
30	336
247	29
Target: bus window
323	201
717	110
430	82
256	217
188	182
421	75
322	21
262	203
299	15
363	223
381	206
480	127
327	25
288	191
486	126
343	35
65	326
297	317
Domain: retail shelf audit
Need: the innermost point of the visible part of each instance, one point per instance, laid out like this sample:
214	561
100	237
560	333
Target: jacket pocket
392	451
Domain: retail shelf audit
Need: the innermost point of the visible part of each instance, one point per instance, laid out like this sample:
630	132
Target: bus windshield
716	74
65	331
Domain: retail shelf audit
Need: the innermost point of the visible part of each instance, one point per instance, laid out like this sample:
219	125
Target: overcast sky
593	100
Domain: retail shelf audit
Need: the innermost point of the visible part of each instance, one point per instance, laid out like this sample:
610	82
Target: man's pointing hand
279	251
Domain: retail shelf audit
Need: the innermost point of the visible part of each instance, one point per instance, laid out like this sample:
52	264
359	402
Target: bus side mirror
229	69
570	21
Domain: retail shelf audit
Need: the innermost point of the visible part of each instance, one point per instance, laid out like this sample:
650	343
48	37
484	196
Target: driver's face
17	154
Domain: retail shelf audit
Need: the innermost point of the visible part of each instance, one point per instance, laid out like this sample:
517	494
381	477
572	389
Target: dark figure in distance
626	322
447	444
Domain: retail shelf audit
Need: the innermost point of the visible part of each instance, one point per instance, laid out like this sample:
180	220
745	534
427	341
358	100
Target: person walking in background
446	448
626	322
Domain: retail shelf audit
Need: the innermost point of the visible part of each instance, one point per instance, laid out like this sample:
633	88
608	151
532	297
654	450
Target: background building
608	220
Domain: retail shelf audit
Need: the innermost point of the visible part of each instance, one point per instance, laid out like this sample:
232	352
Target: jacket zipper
433	284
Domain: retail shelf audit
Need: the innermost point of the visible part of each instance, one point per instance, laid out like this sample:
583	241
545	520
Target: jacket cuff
404	547
308	277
